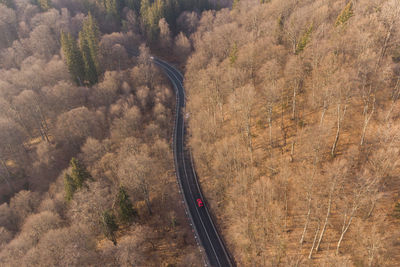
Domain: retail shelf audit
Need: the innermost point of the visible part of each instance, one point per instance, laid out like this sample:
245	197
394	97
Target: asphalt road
200	217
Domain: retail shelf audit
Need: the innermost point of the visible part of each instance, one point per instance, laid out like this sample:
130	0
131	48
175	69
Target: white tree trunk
339	121
315	239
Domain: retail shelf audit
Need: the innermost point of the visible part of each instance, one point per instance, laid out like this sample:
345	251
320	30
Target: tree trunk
292	151
367	118
294	103
395	97
7	177
325	224
345	227
328	213
307	221
270	125
148	205
339	120
323	114
315	239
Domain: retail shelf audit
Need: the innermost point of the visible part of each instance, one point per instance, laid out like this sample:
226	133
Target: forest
293	117
294	122
86	167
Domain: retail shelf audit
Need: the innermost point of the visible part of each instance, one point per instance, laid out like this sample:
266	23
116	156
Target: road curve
202	222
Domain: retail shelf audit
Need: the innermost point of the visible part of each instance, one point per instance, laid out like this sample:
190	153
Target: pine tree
233	54
7	3
79	174
73	58
304	40
75	180
44	4
345	15
114	8
235	4
110	225
69	187
90	68
134	5
396	211
124	206
89	46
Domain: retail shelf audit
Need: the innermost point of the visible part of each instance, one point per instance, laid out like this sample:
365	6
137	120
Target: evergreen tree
79	174
74	180
151	15
235	4
396	211
124	206
8	3
90	68
69	187
44	4
134	5
73	58
233	54
345	15
89	46
110	225
114	8
304	40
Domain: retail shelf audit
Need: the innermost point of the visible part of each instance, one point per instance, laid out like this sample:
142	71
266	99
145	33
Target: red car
200	202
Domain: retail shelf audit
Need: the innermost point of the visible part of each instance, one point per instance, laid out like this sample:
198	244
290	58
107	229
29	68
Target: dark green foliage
75	180
114	8
235	4
91	75
110	225
69	187
79	173
151	14
7	3
134	5
83	61
396	55
73	58
89	46
152	11
233	54
304	40
44	5
396	211
125	210
345	15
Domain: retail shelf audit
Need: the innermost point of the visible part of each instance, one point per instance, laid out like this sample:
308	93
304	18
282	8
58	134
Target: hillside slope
295	129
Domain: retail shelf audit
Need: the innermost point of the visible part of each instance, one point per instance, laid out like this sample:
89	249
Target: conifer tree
396	212
44	4
89	46
74	180
79	174
73	58
110	225
114	8
134	5
345	15
69	187
7	3
90	68
125	209
304	40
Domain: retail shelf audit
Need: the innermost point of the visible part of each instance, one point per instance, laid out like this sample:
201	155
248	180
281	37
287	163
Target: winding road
201	220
